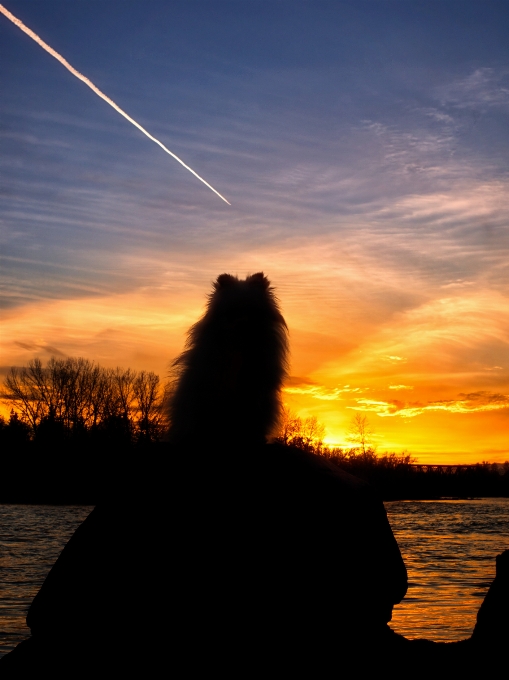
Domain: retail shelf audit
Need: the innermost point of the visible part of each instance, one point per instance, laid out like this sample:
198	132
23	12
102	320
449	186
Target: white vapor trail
98	92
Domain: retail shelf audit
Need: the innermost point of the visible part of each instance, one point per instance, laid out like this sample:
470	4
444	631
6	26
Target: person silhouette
223	553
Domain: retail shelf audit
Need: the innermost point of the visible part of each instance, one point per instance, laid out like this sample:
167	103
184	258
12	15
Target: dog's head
230	375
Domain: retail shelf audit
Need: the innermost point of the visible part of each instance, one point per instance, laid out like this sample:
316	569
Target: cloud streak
475	402
100	94
485	87
319	391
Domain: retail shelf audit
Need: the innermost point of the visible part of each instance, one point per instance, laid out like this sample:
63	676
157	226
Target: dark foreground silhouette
274	560
79	474
257	560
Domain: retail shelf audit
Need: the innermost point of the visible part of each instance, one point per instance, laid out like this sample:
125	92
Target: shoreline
81	475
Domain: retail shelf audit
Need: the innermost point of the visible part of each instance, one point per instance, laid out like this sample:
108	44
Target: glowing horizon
365	146
463	423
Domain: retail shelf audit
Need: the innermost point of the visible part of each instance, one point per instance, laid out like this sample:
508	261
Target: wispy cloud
464	333
35	347
468	403
437	115
308	388
483	88
32	140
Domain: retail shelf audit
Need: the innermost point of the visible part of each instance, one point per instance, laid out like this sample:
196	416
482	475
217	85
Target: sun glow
442	403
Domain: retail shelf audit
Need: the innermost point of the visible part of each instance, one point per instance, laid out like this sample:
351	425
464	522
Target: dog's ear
259	280
225	281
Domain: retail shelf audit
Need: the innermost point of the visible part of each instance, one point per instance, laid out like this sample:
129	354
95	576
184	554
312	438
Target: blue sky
364	147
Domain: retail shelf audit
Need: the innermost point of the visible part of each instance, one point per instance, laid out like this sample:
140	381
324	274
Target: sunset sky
364	147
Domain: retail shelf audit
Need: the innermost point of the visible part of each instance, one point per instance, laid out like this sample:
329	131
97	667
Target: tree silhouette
147	394
360	434
305	433
15	432
69	398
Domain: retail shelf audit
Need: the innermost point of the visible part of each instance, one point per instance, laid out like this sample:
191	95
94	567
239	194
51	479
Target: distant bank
74	474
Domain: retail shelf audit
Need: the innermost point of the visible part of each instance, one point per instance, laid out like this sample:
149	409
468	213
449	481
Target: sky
364	148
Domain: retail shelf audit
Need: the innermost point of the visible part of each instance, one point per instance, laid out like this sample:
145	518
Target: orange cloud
359	333
299	386
477	401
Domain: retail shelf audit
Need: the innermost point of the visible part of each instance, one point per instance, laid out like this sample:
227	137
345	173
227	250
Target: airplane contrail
98	92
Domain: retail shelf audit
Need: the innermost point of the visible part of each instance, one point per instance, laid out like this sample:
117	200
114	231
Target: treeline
76	428
77	431
308	433
395	475
74	400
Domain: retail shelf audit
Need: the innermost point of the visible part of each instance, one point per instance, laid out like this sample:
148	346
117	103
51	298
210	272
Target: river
449	547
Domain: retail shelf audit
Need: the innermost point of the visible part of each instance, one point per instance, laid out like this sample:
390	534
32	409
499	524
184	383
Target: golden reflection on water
31	538
449	548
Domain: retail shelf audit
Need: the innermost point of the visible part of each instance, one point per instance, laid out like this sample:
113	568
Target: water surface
449	548
31	538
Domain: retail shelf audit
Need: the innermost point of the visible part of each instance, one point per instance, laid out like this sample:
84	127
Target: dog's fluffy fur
226	384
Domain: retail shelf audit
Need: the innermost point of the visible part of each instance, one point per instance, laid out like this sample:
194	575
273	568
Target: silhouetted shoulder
288	458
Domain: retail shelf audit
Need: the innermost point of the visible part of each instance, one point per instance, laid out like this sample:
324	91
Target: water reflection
31	538
448	546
